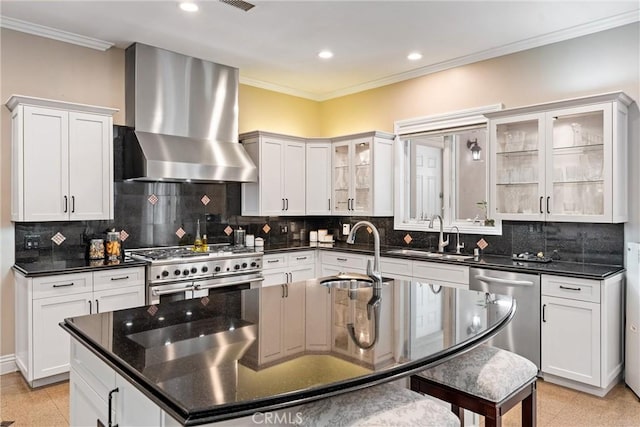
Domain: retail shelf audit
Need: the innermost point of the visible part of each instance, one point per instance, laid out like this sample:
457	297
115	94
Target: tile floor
557	406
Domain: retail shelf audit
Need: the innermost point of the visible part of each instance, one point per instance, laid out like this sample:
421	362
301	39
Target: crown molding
279	88
554	37
52	33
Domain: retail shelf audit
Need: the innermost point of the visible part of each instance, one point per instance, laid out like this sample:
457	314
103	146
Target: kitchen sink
426	254
351	281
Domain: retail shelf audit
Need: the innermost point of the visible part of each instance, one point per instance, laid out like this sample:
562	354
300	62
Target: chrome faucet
373	272
373	306
458	245
441	242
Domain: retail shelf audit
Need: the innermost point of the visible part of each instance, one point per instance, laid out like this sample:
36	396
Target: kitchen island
190	362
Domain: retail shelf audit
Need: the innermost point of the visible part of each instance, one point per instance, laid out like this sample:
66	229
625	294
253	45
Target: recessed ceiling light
414	56
325	54
188	6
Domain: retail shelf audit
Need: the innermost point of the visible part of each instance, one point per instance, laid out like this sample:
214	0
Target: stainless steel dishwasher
522	334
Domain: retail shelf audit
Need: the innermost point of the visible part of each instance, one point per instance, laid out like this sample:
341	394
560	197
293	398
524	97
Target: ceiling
275	44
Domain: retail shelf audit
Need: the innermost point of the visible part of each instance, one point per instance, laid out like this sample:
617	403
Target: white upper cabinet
319	177
362	175
563	161
62	160
280	189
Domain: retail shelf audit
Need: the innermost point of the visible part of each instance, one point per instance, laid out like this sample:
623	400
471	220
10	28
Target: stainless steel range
178	273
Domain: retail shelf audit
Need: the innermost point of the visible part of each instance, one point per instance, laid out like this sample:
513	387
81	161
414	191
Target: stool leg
529	409
459	412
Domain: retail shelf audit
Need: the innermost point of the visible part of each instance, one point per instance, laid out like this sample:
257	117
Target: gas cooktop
180	252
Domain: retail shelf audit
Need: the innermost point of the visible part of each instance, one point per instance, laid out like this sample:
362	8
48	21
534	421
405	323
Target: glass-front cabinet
363	176
561	164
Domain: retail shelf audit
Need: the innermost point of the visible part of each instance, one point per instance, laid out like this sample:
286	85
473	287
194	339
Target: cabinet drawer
569	287
118	278
301	258
441	272
62	284
391	266
349	262
274	261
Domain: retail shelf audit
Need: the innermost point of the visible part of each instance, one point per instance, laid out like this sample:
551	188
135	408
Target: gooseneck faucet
441	242
458	245
374	273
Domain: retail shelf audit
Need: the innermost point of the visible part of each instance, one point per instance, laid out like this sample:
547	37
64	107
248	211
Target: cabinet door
271	174
341	177
133	408
362	179
293	318
318	182
580	161
271	323
50	342
90	172
317	317
46	164
518	169
118	299
86	407
571	339
294	178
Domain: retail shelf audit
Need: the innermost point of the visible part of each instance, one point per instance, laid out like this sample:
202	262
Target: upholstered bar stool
381	405
485	380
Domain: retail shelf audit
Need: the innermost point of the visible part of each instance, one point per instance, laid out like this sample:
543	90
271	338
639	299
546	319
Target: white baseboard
8	364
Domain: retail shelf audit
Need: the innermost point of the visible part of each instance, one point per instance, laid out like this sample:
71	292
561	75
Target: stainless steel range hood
183	112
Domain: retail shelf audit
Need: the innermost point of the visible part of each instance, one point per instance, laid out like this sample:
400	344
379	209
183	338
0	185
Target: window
442	170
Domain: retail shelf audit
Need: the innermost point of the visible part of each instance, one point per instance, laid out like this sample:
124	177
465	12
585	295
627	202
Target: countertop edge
80	269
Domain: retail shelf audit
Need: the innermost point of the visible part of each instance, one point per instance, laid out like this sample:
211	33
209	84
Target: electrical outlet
31	241
346	228
283	229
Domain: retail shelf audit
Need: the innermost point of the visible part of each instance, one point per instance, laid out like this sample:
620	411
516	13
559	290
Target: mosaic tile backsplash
151	213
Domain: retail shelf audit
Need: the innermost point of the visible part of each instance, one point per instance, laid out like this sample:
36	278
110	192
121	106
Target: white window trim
437	122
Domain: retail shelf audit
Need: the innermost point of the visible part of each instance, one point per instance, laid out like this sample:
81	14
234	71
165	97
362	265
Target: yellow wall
266	110
598	63
45	68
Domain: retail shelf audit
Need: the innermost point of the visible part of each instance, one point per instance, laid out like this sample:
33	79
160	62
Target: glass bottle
205	245
197	244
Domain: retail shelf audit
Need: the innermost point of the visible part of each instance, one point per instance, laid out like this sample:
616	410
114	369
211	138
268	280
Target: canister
249	240
113	246
313	236
239	236
96	249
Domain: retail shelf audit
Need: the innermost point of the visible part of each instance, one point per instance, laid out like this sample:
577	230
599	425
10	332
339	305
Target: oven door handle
157	292
222	284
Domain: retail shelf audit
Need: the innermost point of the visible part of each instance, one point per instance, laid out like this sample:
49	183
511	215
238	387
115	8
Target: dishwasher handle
506	282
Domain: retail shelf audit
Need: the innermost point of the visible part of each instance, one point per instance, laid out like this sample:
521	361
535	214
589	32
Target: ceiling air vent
246	6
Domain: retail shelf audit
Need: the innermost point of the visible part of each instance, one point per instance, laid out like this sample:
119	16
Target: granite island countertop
196	359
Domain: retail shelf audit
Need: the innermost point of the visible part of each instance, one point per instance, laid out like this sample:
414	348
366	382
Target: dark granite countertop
79	265
198	359
495	262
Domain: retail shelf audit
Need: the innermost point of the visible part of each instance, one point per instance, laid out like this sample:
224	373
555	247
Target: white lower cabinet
42	347
279	307
93	384
582	344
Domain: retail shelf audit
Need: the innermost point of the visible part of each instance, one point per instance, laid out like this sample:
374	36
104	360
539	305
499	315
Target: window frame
446	123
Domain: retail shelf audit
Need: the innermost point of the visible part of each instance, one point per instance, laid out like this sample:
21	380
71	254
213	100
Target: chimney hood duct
183	113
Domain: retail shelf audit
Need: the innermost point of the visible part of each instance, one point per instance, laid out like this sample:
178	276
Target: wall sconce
472	145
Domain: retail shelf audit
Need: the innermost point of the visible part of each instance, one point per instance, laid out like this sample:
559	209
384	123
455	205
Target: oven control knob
185	272
217	269
244	265
177	272
194	270
253	264
205	269
237	267
165	273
